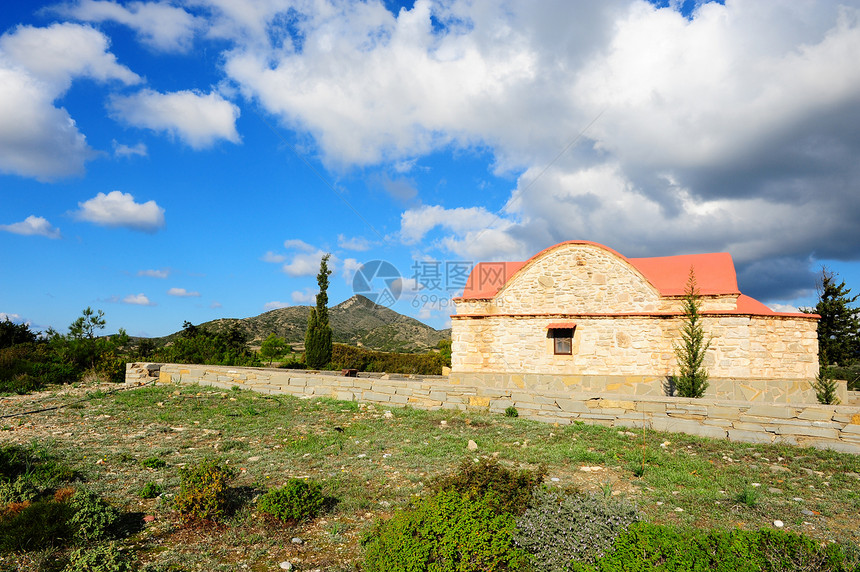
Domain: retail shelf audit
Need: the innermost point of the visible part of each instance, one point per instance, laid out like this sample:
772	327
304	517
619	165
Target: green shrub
107	557
93	517
20	489
36	464
296	501
362	359
153	463
512	489
40	525
448	532
511	411
203	491
557	530
150	490
646	547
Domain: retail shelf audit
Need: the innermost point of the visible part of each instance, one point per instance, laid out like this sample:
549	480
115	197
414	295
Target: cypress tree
839	327
318	335
692	378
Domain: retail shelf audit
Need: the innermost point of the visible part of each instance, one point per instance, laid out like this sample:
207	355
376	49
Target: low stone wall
720	388
834	427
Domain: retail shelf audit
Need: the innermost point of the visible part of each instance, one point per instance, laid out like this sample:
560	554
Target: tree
692	378
839	326
13	334
274	347
83	334
318	335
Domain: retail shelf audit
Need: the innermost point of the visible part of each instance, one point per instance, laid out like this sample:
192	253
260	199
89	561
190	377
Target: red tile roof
715	275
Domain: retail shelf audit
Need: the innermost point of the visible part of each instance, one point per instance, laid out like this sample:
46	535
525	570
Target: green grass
372	464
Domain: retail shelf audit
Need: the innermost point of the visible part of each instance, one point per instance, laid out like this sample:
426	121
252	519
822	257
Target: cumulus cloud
137	150
118	209
162	273
306	296
37	67
275	305
199	120
416	223
159	25
183	293
137	300
33	226
357	243
350	266
304	260
14	318
273	257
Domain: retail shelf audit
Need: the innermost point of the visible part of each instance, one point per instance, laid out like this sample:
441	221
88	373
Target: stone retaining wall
821	426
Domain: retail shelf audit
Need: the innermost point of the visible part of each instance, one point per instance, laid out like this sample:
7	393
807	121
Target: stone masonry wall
623	328
742	346
821	426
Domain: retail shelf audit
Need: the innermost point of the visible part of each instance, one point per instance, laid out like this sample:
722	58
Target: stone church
581	317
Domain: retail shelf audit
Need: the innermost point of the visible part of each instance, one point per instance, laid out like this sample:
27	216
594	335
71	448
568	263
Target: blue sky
193	159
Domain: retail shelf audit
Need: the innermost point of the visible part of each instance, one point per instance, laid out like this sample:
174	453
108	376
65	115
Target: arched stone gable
577	277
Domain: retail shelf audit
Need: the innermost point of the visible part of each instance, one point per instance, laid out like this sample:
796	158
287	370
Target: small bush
150	490
20	489
203	491
557	530
93	517
448	532
511	411
107	557
153	463
512	489
36	526
296	501
648	547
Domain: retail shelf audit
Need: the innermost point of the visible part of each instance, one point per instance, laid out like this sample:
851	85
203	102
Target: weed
150	490
748	496
39	525
153	463
511	411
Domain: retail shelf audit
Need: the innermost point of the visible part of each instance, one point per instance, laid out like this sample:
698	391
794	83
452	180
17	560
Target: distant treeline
361	359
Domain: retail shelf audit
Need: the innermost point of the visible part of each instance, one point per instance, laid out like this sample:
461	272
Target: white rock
472	446
778	523
285	566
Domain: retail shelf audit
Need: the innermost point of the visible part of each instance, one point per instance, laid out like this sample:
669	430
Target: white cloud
787	308
37	67
162	273
15	318
199	120
275	305
306	264
137	300
416	223
306	296
350	266
273	257
61	52
215	305
158	24
357	243
183	293
32	226
121	150
298	244
118	209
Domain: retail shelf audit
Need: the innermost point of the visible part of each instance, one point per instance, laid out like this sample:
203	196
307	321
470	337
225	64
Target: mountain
356	321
